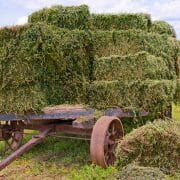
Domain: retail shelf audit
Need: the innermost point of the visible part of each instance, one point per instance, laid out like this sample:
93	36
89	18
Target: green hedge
107	43
73	17
153	96
162	27
120	21
57	61
139	66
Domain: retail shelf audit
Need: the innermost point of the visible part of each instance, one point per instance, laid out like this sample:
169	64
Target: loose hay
135	172
155	144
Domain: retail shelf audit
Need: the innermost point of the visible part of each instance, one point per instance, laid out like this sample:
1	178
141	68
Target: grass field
59	159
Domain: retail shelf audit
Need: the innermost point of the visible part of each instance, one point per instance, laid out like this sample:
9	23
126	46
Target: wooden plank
56	113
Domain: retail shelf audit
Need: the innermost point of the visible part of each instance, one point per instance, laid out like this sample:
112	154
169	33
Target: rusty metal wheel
12	136
106	132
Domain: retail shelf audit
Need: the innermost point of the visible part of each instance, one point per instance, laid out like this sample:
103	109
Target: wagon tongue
35	140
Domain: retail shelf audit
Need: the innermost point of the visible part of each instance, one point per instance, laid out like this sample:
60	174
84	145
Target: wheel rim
106	132
112	135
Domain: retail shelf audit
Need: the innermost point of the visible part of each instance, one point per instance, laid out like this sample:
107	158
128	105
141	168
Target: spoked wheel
106	132
12	136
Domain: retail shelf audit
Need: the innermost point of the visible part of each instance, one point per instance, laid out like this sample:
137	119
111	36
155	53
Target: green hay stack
155	145
67	55
154	96
162	27
63	17
139	66
121	21
55	61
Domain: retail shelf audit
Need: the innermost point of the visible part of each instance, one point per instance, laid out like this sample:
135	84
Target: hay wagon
102	132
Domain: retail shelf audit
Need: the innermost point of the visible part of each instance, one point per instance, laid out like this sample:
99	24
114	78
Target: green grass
56	159
60	159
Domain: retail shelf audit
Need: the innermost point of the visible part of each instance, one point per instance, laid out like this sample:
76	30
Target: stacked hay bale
121	68
121	21
43	65
162	27
67	55
177	96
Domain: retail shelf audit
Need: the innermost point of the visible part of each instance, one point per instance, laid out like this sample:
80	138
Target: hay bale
72	17
56	60
139	66
177	94
121	21
22	99
107	43
135	172
162	27
154	144
154	96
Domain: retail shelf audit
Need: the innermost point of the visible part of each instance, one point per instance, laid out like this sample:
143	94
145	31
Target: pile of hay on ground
155	144
135	172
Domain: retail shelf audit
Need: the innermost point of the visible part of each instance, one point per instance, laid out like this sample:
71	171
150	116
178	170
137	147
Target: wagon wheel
105	134
12	136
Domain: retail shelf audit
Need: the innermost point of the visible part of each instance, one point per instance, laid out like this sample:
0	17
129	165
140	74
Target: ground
59	159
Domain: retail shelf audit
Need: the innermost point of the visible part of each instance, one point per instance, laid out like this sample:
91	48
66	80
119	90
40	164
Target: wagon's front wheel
106	131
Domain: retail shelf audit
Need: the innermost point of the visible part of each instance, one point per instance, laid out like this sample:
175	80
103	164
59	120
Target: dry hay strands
139	66
154	96
72	17
162	27
122	21
154	144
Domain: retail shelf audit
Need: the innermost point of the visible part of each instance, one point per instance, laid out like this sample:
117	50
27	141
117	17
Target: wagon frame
103	132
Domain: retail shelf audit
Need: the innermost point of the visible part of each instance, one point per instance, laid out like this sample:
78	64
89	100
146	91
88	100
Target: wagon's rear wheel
105	134
12	136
